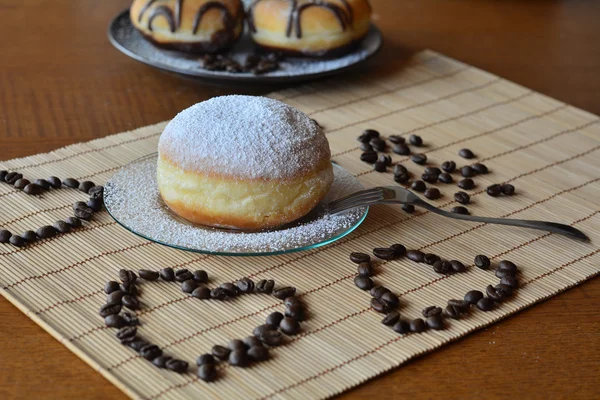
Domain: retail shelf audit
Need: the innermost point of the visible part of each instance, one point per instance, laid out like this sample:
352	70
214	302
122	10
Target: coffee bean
445	177
462	197
129	288
432	193
494	294
453	312
21	183
419	158
409	208
369	157
245	285
460	210
415	140
415	255
429	178
449	166
220	352
508	266
501	273
274	319
127	276
401	149
400	169
494	190
485	304
29	236
401	178
4	236
457	266
398	249
510	281
390	298
378	144
148	275
365	269
387	160
363	282
359	257
466	153
296	312
289	326
3	174
33	189
380	306
417	325
205	359
258	353
136	344
391	318
284	292
236	344
218	293
268	335
418	186
504	290
61	227
111	286
94	204
466	184
115	297
443	267
17	241
182	275
114	321
71	183
366	147
79	204
432	171
96	192
207	372
54	182
150	352
431	310
396	139
201	293
371	133
189	286
380	166
435	322
131	302
378	291
239	358
292	302
482	261
384	253
12	177
265	286
43	183
473	296
431	258
130	319
109	309
84	213
167	274
461	304
402	327
161	361
127	332
480	168
508	189
85	186
202	277
467	172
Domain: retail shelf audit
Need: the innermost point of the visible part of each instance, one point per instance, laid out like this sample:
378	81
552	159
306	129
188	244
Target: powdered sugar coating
143	212
245	137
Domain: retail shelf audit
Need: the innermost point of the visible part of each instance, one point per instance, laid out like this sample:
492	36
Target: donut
204	26
243	162
319	28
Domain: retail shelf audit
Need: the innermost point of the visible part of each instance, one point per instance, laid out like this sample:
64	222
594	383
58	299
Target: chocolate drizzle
164	11
227	17
344	14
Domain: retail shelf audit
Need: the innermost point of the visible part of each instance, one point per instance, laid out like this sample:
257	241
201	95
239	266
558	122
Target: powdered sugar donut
243	162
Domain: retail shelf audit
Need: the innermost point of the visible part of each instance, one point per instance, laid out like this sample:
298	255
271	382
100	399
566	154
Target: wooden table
61	82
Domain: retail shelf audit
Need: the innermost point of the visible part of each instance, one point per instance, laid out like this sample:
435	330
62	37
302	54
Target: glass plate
131	197
123	35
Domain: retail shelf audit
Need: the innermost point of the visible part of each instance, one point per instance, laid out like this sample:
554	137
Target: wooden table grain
61	82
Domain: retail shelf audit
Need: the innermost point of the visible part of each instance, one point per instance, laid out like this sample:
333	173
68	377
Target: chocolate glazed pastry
281	26
180	24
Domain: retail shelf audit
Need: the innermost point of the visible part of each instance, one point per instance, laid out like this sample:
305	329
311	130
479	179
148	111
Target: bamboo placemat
547	149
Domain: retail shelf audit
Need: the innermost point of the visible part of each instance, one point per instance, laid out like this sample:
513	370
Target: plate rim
230	254
220	78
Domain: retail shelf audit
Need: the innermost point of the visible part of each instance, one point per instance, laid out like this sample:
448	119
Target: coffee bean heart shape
238	352
83	211
386	302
